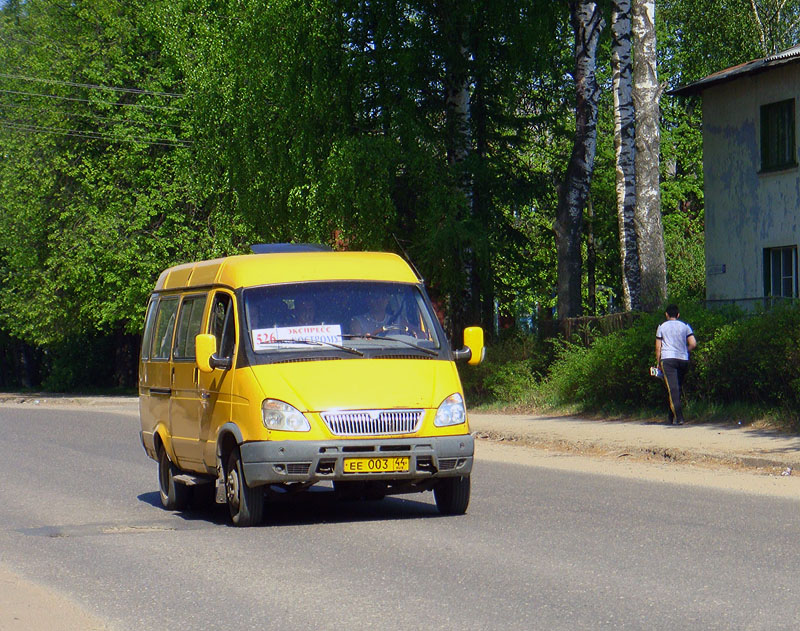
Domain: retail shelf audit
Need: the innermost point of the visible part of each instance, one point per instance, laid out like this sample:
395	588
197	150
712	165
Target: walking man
674	341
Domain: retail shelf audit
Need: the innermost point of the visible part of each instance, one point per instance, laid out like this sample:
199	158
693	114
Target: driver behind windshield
304	310
376	319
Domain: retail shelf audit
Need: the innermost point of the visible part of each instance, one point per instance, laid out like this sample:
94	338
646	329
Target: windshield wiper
368	336
348	349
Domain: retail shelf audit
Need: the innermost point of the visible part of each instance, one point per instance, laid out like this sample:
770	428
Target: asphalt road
538	549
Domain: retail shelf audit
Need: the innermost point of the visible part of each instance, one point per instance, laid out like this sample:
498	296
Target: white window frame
780	272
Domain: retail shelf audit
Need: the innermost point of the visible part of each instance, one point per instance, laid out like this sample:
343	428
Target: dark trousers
674	373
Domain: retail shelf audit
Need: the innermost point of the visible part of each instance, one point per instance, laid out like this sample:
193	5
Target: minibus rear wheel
245	503
452	495
174	495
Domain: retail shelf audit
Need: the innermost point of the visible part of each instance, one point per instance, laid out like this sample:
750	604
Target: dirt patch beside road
707	445
721	478
645	454
116	404
26	606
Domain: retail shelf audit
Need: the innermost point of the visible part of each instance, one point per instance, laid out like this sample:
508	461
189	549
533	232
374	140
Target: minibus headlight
451	411
282	416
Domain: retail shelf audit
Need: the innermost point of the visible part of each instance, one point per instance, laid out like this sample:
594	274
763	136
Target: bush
92	362
740	358
612	372
513	382
753	360
510	372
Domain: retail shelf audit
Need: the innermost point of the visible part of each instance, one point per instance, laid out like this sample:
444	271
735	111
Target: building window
777	136
780	272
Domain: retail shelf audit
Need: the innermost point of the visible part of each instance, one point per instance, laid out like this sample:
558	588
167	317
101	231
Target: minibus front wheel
245	503
174	495
452	495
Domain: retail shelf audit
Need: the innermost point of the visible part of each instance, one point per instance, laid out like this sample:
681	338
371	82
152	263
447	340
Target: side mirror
474	350
205	349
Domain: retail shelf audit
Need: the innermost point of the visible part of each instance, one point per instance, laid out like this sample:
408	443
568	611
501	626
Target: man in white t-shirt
674	341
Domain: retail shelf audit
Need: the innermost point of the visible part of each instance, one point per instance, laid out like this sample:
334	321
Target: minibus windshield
352	316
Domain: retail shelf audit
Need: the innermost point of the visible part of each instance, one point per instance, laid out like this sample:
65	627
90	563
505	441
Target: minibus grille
372	422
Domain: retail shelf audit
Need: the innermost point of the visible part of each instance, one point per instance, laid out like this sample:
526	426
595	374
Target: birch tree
587	22
625	150
646	95
453	22
778	23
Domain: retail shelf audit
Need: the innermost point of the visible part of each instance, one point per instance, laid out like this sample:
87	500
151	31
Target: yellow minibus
297	365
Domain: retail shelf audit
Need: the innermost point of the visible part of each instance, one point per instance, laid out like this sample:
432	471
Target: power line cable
92	86
93	136
8	124
90	116
78	100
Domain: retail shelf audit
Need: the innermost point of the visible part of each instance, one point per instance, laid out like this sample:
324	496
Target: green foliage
750	359
511	371
325	121
684	244
235	122
699	37
512	381
78	361
612	373
96	184
244	121
753	360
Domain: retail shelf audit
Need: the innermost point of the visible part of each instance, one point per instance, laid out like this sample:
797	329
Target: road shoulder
691	475
28	606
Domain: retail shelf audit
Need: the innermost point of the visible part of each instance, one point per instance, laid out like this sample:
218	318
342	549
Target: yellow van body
236	387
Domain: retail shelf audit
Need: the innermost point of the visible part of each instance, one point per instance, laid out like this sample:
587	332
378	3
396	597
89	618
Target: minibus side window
165	324
147	336
221	324
189	323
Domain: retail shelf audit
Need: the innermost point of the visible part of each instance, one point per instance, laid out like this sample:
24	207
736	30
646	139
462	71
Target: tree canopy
136	135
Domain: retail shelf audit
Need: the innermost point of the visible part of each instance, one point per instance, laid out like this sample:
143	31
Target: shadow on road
311	508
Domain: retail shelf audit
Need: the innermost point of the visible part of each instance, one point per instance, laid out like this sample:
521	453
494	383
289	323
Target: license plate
375	465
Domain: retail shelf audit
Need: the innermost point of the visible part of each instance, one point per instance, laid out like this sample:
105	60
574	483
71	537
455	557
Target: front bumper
268	462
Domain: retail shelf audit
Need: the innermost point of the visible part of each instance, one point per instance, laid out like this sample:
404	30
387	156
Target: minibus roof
249	270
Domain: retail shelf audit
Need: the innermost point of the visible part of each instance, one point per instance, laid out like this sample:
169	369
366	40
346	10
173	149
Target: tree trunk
481	185
624	145
587	22
646	95
591	259
453	20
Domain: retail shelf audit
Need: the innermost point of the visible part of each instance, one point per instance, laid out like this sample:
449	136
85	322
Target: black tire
245	503
174	495
452	495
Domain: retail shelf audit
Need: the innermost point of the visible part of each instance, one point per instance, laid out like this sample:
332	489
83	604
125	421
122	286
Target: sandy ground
699	475
725	457
712	445
26	606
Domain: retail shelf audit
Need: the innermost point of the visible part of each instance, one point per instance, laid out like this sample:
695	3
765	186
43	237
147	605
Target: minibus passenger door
156	387
216	387
186	402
